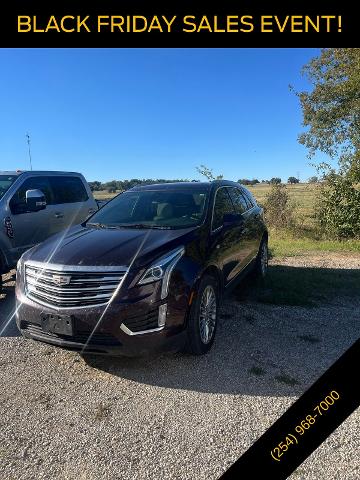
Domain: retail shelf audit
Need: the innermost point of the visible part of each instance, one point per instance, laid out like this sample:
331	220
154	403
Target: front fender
185	281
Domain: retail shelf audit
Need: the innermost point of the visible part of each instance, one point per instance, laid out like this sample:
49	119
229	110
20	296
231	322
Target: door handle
59	215
91	211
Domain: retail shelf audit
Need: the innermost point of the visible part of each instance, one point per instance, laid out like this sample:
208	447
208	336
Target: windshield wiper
144	225
99	225
128	225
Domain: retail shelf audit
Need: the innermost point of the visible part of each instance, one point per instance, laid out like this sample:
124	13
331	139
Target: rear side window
222	205
18	200
249	198
68	190
239	200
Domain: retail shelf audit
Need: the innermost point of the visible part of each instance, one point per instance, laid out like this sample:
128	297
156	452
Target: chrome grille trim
87	287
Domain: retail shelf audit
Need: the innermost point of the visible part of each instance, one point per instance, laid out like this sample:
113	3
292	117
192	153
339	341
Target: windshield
153	209
5	183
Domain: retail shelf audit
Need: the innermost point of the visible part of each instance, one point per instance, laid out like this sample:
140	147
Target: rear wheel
262	259
203	317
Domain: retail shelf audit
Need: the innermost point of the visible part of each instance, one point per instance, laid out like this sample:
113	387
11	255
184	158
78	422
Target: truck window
5	183
18	201
68	189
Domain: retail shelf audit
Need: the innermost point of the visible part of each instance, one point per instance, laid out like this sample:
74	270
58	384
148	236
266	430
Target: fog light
162	315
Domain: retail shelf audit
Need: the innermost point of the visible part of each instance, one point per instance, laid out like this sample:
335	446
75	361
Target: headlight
161	270
19	265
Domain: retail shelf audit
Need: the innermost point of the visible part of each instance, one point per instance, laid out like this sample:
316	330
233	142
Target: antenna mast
29	150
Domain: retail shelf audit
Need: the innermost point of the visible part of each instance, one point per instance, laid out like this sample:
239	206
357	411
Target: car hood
87	246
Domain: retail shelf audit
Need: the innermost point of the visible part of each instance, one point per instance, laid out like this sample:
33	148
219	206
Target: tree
331	111
112	186
208	173
95	186
313	179
293	180
246	181
275	180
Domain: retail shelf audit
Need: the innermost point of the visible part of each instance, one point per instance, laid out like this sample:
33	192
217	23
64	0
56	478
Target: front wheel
203	317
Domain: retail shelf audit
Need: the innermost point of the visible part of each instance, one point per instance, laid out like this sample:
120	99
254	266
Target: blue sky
154	113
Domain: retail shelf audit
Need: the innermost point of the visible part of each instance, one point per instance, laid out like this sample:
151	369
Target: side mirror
232	219
35	200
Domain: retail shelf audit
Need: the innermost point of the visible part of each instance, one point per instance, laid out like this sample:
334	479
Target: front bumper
109	337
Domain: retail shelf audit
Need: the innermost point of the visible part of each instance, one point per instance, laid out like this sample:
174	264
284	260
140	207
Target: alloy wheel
207	315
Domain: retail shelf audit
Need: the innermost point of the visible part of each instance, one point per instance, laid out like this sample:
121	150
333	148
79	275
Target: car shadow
7	306
267	344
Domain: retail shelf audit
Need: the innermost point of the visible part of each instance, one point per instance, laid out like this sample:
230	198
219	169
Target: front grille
71	288
140	323
80	337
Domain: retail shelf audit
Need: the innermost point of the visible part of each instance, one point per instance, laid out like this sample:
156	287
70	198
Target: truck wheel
203	317
262	259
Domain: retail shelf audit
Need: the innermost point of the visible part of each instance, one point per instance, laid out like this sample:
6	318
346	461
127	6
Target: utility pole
29	150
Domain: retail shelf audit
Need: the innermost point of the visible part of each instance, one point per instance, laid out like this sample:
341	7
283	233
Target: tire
201	327
262	259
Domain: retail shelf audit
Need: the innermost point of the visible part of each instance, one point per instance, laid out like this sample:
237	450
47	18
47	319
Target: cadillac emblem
61	280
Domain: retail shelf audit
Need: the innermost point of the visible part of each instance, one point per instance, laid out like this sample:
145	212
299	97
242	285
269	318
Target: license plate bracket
58	324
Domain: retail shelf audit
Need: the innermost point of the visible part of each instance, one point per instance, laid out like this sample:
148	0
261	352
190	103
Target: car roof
185	185
37	172
10	172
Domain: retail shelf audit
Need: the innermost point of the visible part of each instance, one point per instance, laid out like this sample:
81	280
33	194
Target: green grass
283	244
257	371
300	286
287	380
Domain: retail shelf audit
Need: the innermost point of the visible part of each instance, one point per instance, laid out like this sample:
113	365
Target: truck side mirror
35	200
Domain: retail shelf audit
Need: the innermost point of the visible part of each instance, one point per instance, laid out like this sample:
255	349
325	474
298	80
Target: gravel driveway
174	416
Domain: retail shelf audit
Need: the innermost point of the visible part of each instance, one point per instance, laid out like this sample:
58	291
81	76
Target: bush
279	209
337	209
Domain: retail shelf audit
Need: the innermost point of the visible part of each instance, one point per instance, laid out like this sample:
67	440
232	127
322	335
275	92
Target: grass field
303	194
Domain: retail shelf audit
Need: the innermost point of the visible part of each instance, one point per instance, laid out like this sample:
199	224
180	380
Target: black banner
182	24
305	425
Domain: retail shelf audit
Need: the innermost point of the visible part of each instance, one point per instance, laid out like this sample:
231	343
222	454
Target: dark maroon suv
145	273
